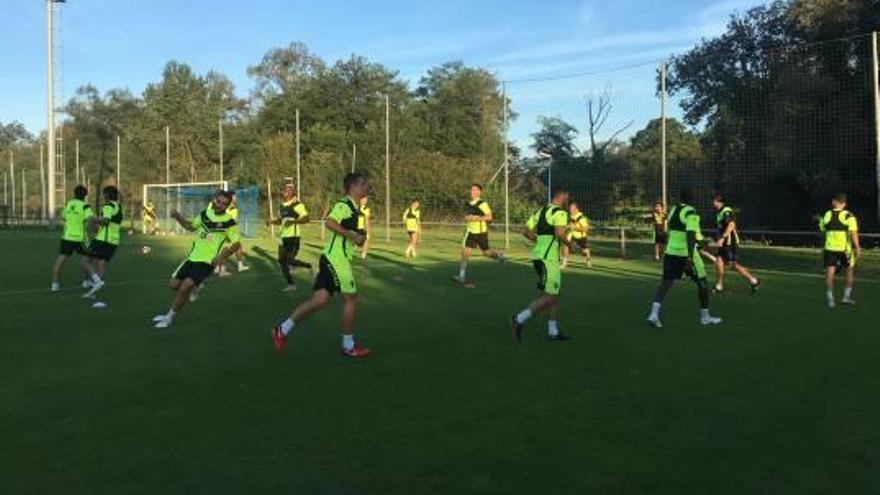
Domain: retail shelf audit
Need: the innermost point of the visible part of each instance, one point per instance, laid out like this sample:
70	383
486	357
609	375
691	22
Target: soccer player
412	220
579	230
76	215
293	215
548	227
842	248
103	246
150	217
365	225
658	218
334	273
683	257
213	227
477	218
239	254
728	244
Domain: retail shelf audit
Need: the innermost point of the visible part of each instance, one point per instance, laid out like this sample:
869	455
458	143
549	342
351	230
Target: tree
555	137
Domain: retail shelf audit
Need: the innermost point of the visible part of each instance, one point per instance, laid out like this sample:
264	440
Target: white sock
829	294
347	341
287	325
461	273
56	286
655	310
524	316
704	314
847	293
552	328
96	279
719	287
170	314
753	281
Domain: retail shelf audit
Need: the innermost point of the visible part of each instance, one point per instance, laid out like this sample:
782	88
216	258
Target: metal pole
354	154
550	180
12	180
50	106
663	184
42	184
271	209
76	161
387	169
5	188
506	173
118	163
220	130
23	194
167	155
297	158
875	66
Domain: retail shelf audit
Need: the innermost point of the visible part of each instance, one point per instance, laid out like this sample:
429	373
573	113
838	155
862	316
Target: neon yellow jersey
233	212
544	223
110	233
412	218
76	213
682	219
290	212
838	226
480	208
213	230
579	226
345	213
363	218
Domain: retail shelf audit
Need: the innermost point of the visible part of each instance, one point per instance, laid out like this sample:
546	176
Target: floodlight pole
75	161
167	154
506	172
118	163
663	94
387	169
42	184
354	154
875	71
50	106
220	133
12	180
298	166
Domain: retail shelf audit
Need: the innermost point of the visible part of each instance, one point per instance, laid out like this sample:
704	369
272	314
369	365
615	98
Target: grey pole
875	71
42	184
298	166
387	169
220	132
118	162
167	155
506	173
75	160
354	154
50	99
663	179
23	194
12	180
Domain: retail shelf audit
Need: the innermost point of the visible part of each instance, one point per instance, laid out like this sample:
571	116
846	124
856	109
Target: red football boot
357	352
279	339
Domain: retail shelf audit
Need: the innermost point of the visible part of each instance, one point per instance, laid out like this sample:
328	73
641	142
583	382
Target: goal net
187	198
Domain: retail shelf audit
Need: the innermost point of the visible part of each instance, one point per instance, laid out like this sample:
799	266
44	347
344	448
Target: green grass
783	398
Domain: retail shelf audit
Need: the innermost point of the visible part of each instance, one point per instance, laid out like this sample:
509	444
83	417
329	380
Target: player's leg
673	269
56	271
182	289
463	262
239	255
348	320
417	239
365	249
483	244
566	252
698	275
754	283
548	284
850	280
830	274
326	284
720	265
284	264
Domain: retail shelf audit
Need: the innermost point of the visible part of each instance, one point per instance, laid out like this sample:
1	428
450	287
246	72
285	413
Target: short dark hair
557	190
226	194
351	179
111	193
80	192
686	195
718	197
658	203
478	186
574	203
840	198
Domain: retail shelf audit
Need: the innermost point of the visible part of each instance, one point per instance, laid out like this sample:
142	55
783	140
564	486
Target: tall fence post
387	169
220	133
623	243
663	95
167	155
12	180
119	163
506	173
42	184
298	169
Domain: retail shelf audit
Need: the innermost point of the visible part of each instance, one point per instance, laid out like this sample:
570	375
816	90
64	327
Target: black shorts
675	267
70	247
838	259
290	246
660	237
197	271
327	278
101	250
580	244
477	241
411	234
728	254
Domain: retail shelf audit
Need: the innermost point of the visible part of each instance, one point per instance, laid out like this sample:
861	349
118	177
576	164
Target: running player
213	227
478	216
548	227
728	245
103	246
412	220
842	248
293	215
334	274
683	257
149	218
76	215
365	225
658	218
578	231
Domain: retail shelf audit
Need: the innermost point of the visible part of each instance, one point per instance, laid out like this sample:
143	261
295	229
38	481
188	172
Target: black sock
285	270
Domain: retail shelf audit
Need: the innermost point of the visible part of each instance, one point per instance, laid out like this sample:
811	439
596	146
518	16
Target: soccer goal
189	198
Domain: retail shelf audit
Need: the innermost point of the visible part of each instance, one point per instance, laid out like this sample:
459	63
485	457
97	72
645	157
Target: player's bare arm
226	253
355	237
183	221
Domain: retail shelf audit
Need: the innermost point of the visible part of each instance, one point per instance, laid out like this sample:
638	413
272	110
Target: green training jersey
412	219
543	223
478	208
75	214
682	219
345	213
212	231
579	226
838	226
109	233
291	211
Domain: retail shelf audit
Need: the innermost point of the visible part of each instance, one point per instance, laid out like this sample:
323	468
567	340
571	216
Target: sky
125	44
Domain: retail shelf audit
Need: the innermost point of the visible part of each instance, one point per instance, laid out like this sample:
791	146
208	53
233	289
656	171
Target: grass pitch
783	398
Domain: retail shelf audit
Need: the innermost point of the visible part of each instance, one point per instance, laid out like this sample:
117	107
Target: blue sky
125	43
